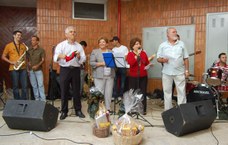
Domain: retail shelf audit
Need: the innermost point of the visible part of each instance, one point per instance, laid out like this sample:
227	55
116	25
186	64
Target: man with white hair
70	55
174	57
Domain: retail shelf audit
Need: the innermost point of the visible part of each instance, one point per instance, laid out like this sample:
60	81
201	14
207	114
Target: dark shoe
63	116
132	114
80	114
144	113
110	112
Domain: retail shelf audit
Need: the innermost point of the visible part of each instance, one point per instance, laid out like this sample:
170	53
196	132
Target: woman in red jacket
137	59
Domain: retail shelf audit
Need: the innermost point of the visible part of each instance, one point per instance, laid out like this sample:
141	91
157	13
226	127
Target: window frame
104	2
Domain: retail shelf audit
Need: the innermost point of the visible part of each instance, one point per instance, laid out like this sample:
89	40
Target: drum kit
214	84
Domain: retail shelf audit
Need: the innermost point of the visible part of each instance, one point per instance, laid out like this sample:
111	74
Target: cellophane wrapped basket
127	140
126	130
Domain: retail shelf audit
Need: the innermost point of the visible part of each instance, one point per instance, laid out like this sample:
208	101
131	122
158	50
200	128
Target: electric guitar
194	53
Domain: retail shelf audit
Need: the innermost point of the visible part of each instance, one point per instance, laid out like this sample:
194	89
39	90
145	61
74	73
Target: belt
69	67
72	67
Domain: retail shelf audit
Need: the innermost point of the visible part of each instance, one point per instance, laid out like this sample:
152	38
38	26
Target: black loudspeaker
30	115
190	117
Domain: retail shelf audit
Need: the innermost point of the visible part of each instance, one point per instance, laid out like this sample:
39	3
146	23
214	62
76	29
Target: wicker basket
101	132
127	140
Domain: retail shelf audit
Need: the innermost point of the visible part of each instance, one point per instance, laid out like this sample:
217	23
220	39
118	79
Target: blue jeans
16	76
36	80
120	74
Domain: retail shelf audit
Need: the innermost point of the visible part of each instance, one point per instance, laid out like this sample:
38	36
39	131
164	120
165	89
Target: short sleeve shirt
122	49
176	54
14	53
35	56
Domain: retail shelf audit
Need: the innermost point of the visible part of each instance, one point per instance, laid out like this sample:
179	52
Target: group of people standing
15	54
70	55
172	54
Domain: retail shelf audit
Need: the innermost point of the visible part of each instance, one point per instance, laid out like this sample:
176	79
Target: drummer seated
221	64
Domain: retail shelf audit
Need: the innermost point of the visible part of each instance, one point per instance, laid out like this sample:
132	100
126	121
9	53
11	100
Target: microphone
140	50
138	58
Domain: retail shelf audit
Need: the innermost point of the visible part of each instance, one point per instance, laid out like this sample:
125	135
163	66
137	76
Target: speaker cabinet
190	117
30	115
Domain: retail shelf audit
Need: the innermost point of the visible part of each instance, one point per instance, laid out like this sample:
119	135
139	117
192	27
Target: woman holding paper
103	75
138	60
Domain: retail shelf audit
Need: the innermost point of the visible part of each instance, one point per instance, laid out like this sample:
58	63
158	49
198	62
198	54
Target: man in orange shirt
13	51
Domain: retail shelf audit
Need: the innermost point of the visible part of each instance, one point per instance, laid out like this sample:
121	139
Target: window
89	9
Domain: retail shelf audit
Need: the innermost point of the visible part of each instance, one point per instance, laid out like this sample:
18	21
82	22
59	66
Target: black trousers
139	83
70	76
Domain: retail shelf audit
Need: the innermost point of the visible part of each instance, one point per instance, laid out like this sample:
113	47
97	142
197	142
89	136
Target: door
217	37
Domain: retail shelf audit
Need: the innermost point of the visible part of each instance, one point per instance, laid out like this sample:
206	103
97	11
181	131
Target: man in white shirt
174	57
120	72
70	55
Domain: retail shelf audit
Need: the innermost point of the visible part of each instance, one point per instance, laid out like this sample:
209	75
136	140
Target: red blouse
134	67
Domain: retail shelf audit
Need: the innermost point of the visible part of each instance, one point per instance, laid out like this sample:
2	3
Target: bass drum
190	85
202	92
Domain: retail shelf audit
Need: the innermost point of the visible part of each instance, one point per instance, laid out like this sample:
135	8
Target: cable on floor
63	139
2	125
154	117
15	133
47	139
214	136
73	121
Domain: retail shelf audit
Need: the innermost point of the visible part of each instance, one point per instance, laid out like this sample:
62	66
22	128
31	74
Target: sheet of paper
149	66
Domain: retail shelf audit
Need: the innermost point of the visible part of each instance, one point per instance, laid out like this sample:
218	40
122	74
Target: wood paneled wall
11	19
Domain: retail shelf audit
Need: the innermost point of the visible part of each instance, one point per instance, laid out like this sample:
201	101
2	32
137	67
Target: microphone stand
137	114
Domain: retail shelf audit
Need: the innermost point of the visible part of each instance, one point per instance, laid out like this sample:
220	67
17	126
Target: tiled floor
73	130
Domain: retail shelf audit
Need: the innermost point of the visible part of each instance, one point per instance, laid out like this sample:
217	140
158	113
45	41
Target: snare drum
202	92
214	76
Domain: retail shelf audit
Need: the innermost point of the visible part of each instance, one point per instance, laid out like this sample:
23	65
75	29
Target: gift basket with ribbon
126	130
98	112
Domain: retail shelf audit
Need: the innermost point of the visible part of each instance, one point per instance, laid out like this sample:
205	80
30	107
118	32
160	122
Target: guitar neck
194	53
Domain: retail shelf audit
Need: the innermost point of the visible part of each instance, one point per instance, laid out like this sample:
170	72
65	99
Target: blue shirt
176	54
